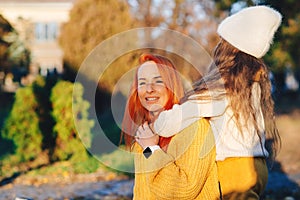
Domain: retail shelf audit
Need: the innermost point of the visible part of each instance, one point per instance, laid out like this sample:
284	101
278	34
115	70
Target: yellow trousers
242	178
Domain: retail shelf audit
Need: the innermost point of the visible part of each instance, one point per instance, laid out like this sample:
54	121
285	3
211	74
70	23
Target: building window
46	31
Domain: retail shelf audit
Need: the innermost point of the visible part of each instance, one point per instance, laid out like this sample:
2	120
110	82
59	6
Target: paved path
111	190
279	184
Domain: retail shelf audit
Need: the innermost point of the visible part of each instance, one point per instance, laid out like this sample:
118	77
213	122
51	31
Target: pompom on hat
251	30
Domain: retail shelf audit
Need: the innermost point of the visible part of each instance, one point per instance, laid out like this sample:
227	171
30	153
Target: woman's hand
145	136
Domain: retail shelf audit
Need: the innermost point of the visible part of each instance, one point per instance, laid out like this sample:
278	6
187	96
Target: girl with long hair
236	95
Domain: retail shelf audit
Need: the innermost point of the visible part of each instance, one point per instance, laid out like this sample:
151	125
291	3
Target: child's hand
145	136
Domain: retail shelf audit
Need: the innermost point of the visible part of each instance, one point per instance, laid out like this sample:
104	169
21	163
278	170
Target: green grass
88	166
120	161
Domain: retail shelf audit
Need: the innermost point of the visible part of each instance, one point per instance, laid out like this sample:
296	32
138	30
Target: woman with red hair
166	83
178	167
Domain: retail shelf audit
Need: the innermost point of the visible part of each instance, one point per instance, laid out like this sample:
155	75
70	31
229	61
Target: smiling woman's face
152	90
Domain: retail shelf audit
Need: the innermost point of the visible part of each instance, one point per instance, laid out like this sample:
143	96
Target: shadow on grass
280	185
15	175
6	103
10	179
287	102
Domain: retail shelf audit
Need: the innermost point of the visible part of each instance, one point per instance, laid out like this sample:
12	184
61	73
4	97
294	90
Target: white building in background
38	23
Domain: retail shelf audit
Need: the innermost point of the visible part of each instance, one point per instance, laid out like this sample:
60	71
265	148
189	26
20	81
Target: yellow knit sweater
186	171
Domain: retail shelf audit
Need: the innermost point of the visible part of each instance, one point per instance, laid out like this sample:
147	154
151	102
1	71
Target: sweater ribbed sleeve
186	171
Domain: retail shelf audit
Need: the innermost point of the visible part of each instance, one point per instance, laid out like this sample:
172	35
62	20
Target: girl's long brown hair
236	71
135	114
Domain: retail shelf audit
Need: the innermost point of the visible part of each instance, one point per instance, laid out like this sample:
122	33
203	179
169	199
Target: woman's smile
152	99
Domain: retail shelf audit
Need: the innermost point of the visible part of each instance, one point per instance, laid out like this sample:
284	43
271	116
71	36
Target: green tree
5	29
14	56
72	128
22	125
193	18
288	51
91	22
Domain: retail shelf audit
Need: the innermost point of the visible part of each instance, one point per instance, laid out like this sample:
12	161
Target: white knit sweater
230	142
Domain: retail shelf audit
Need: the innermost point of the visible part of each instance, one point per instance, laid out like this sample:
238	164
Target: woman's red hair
135	114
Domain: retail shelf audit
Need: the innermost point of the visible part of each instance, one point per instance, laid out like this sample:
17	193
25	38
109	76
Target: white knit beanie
251	30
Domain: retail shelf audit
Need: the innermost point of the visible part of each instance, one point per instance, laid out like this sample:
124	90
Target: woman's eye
142	83
159	81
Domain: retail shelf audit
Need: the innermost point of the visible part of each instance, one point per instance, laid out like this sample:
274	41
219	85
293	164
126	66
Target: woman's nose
149	87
